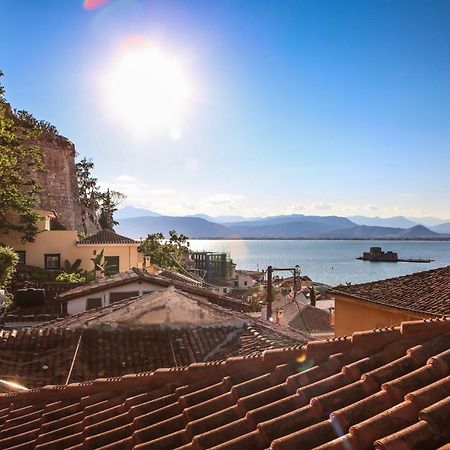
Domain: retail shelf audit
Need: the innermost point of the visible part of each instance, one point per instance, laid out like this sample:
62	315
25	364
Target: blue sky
307	106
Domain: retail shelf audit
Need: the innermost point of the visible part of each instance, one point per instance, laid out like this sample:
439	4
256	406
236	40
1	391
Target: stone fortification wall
59	183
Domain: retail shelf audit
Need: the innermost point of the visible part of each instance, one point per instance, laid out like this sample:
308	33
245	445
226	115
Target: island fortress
376	254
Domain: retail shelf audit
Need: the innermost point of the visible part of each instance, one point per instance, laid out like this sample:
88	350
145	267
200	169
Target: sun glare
147	90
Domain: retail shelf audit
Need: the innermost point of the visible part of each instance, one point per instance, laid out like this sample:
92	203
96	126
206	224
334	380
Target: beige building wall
358	315
64	243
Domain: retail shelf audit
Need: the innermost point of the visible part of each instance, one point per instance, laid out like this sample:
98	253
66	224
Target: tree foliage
165	253
110	199
97	205
19	163
29	120
71	277
8	263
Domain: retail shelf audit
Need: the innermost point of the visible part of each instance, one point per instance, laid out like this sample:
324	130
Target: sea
331	262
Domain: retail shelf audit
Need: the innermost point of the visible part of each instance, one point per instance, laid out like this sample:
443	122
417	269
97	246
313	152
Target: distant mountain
428	221
131	211
224	219
395	222
418	231
193	227
369	232
334	221
284	227
302	229
443	228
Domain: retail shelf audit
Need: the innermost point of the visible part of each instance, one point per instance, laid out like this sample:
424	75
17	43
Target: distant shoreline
425	239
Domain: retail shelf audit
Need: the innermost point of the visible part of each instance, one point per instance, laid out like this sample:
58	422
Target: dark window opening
52	261
117	296
92	303
111	265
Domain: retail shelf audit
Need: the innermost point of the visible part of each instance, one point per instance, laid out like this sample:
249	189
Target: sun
147	90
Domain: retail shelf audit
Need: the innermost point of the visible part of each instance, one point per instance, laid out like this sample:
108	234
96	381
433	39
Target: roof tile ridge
376	338
426	327
400	277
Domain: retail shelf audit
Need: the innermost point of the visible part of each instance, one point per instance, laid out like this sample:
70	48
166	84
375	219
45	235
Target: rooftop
106	237
182	283
385	389
302	316
425	292
162	329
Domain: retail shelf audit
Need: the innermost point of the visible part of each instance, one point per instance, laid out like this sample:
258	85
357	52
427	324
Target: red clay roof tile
425	292
382	395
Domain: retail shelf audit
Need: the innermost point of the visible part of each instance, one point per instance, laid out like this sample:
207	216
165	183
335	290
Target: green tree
97	205
109	201
8	263
19	163
165	253
89	194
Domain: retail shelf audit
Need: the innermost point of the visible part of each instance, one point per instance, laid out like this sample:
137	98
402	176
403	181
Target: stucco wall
78	305
64	242
357	315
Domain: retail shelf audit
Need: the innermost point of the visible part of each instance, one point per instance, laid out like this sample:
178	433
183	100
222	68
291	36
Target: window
112	265
53	261
22	257
92	303
117	296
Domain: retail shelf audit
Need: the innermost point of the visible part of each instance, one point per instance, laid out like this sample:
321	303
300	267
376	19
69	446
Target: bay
330	261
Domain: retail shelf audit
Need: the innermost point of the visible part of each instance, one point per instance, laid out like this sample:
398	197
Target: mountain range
138	222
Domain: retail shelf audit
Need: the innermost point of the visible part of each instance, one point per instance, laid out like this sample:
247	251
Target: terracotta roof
302	317
422	292
312	320
189	279
162	329
36	357
173	306
385	389
140	274
106	237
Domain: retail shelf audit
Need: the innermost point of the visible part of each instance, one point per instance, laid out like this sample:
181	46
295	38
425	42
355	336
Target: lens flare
147	89
94	4
303	362
13	385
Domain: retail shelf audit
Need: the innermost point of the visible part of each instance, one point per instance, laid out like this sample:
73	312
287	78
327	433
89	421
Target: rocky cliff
59	182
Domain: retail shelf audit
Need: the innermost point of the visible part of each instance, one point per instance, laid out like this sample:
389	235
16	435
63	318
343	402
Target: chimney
280	316
99	273
312	296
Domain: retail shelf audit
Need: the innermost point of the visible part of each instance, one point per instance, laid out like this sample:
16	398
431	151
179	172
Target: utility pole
269	292
296	275
295	270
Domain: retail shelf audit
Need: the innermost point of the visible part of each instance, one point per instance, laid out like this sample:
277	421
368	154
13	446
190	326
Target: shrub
8	263
71	277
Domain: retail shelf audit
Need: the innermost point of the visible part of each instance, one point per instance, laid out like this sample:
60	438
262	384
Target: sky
297	106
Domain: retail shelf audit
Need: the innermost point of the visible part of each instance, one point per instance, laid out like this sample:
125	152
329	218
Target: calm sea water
330	262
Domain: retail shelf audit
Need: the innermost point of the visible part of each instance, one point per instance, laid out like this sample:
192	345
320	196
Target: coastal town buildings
52	247
215	267
298	314
245	279
392	301
133	283
381	389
